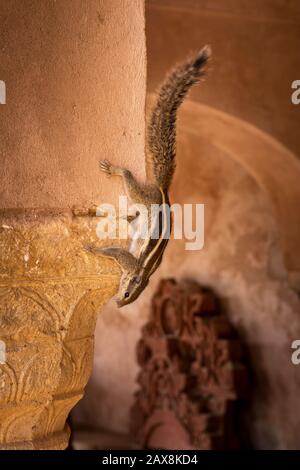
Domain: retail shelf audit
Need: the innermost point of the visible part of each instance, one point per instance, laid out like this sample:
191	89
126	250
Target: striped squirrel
139	263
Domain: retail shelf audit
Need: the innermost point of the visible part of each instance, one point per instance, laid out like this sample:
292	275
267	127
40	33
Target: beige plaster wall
75	75
75	80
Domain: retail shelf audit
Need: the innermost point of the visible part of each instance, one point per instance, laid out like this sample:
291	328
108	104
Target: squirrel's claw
89	248
105	166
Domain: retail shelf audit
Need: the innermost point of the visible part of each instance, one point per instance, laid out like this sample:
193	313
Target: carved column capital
50	291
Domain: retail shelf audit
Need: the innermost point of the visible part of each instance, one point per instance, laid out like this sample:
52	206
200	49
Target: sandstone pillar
75	84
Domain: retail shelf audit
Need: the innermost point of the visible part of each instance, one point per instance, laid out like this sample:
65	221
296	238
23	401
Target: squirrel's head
131	285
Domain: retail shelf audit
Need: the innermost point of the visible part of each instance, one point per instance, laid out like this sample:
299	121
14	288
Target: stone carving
50	294
191	375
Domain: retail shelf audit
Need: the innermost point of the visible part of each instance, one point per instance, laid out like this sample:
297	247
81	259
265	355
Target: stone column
75	85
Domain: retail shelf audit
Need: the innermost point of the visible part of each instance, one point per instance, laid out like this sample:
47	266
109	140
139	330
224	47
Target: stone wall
255	56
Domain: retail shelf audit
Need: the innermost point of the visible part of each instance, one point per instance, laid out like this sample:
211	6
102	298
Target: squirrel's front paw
106	166
89	248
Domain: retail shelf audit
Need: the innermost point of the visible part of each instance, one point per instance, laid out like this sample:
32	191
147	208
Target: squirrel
138	264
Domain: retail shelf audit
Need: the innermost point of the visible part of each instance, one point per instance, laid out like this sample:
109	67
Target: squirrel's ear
137	279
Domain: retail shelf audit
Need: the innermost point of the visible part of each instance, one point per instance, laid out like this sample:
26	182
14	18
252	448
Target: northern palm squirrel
138	264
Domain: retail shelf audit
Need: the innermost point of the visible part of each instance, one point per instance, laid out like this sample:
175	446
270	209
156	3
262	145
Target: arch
275	168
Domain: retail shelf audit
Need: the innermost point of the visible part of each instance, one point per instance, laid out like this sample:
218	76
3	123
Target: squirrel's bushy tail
162	124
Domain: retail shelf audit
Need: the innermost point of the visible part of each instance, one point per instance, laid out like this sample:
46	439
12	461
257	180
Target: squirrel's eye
126	295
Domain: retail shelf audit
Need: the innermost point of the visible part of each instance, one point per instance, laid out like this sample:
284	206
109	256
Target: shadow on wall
250	238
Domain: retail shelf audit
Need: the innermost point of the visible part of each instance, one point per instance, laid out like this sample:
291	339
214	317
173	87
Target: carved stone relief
50	293
192	372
